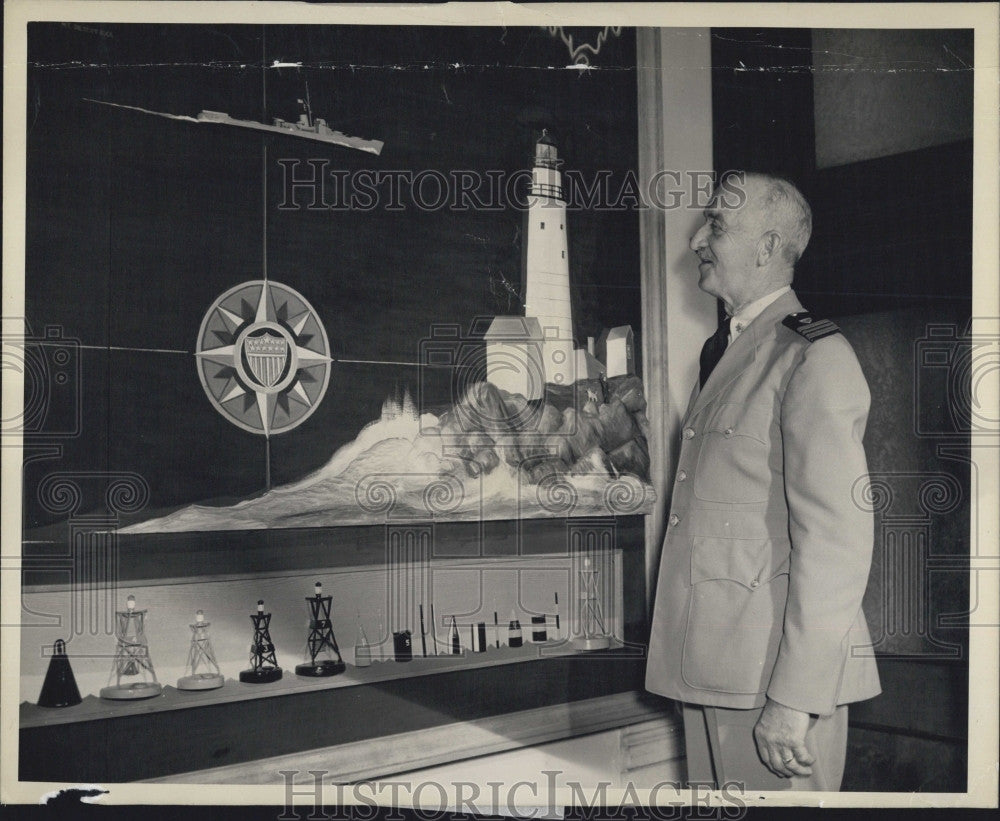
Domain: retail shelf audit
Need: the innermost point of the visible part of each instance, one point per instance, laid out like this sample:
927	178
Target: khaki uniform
769	540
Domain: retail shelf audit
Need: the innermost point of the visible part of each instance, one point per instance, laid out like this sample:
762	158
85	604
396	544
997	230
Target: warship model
306	126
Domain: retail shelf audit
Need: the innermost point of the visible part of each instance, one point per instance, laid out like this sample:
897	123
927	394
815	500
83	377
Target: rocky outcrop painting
580	451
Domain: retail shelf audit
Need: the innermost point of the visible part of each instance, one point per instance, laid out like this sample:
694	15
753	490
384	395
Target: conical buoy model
263	663
59	688
131	658
321	646
202	669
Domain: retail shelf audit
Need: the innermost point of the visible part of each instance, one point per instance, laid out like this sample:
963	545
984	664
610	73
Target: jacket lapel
741	354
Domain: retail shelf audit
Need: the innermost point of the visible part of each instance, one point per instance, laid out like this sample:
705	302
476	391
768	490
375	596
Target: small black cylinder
402	645
538	631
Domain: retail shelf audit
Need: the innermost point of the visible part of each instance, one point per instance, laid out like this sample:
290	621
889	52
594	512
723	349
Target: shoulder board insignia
807	326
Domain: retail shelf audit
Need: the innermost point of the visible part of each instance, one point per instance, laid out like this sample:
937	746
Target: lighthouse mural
547	267
547	302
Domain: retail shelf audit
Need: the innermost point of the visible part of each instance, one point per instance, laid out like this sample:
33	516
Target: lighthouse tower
547	266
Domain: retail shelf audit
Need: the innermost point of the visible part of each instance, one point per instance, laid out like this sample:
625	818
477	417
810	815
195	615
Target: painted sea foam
470	463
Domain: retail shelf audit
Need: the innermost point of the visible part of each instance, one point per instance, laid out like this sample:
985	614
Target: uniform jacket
769	541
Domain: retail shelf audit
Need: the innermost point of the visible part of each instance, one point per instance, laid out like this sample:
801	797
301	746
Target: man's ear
768	248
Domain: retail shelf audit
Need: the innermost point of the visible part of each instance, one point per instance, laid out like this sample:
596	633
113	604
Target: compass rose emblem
263	357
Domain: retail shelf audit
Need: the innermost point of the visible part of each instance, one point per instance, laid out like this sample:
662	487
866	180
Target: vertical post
263	233
263	265
675	142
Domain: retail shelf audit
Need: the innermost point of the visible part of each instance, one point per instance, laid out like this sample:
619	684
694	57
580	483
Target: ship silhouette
306	127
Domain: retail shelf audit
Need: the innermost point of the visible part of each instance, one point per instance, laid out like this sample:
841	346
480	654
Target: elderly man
758	629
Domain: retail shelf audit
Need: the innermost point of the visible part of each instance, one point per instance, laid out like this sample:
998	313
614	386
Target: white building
616	349
588	366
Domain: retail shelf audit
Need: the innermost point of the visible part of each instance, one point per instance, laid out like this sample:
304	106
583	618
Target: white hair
784	208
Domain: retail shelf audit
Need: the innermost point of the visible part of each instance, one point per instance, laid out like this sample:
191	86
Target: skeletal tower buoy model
131	658
202	669
263	664
594	635
324	655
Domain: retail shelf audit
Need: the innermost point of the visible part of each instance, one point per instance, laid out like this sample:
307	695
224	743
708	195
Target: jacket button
727	432
674	520
689	433
681	475
755	583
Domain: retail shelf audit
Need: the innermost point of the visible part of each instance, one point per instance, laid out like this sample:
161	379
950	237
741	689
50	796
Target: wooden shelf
405	752
94	708
133	742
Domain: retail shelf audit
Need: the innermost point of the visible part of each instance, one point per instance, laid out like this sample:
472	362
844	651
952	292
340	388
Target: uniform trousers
720	748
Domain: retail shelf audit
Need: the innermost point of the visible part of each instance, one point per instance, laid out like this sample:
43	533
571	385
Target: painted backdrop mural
439	318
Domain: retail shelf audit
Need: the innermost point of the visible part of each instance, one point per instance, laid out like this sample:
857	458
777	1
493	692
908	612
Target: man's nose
698	238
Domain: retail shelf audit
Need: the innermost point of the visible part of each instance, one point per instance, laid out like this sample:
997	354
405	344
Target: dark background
136	223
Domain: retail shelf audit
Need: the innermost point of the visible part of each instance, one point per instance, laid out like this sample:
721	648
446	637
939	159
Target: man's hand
780	734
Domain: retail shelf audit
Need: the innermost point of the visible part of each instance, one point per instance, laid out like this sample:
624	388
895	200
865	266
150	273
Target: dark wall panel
892	233
762	99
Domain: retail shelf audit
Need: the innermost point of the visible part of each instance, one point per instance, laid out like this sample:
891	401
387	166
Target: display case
551	577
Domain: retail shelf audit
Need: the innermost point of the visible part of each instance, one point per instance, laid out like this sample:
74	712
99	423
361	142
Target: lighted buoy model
324	655
594	635
202	669
131	658
263	664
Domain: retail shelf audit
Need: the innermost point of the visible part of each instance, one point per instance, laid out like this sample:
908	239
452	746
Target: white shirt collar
750	312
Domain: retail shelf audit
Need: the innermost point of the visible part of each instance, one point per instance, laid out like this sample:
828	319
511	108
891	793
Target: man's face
726	245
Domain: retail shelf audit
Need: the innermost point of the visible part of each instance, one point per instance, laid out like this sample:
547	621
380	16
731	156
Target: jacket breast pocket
733	459
738	593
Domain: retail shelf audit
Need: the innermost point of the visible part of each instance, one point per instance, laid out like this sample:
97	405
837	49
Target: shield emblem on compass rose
267	356
263	357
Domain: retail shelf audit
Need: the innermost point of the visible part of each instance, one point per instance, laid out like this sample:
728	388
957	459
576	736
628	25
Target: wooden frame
675	140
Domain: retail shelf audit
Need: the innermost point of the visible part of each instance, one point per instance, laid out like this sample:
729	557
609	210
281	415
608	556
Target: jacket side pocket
738	593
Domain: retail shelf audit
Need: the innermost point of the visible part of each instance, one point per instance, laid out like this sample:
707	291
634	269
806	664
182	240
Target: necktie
712	351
